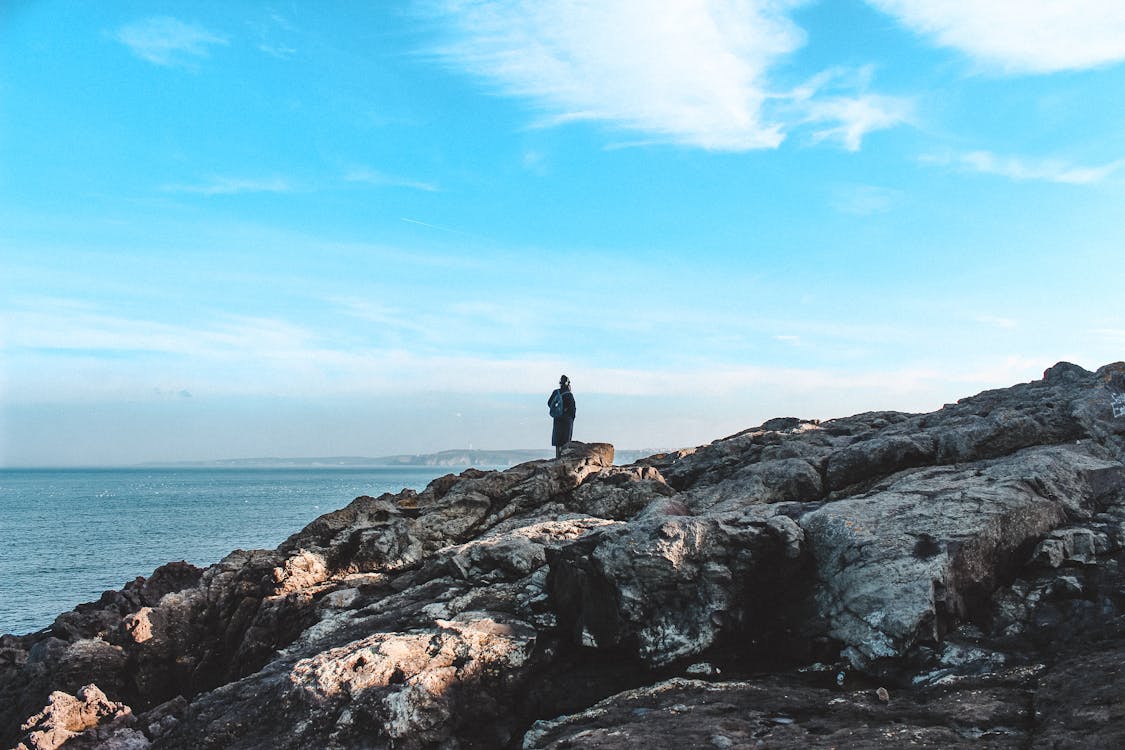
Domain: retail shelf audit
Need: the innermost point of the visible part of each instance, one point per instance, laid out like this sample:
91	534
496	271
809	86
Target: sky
293	229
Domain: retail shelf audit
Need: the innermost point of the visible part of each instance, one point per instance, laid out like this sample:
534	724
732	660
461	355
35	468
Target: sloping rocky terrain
952	579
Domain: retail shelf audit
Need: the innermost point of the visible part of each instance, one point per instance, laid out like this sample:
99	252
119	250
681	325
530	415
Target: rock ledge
952	579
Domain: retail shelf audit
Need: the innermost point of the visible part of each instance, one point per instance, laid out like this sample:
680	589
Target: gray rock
971	559
665	587
902	563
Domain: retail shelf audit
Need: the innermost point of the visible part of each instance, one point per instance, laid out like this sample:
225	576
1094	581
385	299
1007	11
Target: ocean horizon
69	534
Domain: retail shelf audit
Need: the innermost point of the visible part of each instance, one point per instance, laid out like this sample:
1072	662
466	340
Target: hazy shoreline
452	458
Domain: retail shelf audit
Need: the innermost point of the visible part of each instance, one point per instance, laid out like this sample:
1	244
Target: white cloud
369	176
691	72
168	41
234	185
65	352
274	31
1021	36
1026	169
856	116
839	98
88	329
279	51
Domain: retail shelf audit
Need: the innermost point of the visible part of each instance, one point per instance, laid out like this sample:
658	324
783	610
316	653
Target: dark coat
564	425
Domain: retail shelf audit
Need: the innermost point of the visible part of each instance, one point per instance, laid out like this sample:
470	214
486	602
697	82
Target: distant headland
452	458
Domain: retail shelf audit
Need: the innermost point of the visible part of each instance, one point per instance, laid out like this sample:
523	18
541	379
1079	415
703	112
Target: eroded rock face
922	551
665	586
66	716
938	580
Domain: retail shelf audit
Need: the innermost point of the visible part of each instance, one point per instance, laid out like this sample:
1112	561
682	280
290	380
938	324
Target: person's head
564	382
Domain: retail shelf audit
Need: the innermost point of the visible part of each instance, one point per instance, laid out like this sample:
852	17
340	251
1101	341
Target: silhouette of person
561	407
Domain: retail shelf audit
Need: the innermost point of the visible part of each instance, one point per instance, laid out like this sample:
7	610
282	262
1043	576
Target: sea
67	535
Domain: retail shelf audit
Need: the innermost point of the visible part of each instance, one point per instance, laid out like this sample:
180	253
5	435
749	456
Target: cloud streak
1020	36
851	118
387	348
1024	169
837	103
692	73
168	41
240	355
368	176
234	186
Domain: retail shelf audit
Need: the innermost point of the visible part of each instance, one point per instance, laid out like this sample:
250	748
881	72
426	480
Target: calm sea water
68	535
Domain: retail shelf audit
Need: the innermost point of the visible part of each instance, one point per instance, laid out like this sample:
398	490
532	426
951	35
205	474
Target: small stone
702	669
722	742
883	695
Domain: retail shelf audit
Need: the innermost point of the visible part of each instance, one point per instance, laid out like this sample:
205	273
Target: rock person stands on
561	407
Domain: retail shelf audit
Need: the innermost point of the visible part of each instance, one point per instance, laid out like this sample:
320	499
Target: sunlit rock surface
951	579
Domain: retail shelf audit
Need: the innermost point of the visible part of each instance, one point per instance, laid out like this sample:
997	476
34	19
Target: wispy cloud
86	328
369	176
863	200
392	321
248	355
234	185
168	41
459	324
837	103
1021	36
270	31
278	50
693	73
851	118
1026	169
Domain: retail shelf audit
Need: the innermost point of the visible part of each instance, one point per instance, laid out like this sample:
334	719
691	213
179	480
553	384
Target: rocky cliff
951	579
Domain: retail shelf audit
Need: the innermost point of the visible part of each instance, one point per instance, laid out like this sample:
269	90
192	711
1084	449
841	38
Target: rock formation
952	579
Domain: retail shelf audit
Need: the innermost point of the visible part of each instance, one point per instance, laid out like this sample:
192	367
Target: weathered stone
879	457
970	563
791	713
664	587
65	716
903	562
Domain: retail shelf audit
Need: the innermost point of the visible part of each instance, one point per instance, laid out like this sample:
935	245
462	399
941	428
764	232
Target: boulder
66	716
665	586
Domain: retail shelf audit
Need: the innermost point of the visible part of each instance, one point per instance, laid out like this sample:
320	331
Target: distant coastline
451	458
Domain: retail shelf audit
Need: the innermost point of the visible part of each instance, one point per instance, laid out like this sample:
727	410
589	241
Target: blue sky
301	229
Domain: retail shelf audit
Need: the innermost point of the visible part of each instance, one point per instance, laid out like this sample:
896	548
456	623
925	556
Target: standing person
562	409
